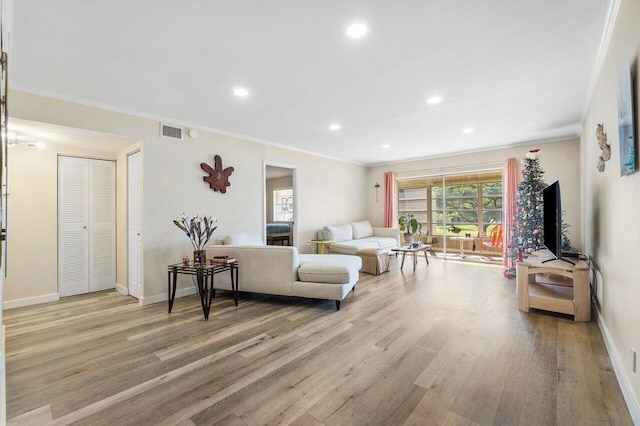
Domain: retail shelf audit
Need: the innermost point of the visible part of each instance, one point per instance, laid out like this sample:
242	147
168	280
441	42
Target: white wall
559	161
32	241
611	206
328	191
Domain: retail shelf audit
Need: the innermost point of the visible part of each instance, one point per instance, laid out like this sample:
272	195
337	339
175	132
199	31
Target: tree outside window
472	203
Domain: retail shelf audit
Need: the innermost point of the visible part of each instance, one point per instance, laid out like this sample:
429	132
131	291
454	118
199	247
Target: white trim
618	362
612	15
135	113
158	298
122	289
19	303
294	186
475	151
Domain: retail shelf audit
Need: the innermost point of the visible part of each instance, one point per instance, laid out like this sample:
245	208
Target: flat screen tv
552	219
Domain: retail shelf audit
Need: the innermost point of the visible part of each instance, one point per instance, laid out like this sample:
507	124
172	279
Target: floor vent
172	132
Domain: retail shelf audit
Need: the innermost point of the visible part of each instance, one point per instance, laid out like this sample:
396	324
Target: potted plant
410	226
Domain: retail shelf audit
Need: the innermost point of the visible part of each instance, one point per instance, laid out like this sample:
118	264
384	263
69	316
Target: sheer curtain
390	200
509	188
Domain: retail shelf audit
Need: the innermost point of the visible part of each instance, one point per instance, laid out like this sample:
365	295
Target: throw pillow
362	229
338	233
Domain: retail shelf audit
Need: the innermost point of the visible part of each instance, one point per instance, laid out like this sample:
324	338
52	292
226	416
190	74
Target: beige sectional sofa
282	271
360	239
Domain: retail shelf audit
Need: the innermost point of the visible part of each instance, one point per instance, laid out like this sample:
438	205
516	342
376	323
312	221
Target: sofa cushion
330	269
338	233
243	239
383	243
361	229
353	246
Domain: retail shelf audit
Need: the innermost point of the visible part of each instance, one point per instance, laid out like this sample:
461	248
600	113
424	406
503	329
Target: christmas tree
526	234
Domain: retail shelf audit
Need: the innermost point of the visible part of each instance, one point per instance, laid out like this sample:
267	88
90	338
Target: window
472	203
460	206
283	204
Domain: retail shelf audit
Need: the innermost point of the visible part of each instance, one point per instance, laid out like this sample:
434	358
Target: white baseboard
623	380
123	290
181	292
18	303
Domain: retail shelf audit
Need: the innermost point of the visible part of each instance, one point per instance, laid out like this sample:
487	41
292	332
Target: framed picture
626	122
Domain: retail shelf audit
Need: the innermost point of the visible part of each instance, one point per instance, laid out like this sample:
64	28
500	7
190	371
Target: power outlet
633	360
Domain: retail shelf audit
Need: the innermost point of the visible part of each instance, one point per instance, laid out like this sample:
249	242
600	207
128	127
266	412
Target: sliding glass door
458	212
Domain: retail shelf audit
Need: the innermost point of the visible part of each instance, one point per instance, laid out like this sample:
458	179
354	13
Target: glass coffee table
413	251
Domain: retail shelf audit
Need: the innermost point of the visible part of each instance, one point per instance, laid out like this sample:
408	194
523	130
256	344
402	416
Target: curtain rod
444	171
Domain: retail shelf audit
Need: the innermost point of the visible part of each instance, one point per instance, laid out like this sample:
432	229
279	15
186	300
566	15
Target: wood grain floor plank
446	345
307	379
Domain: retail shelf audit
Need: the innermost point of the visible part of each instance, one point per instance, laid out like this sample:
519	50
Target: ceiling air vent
173	132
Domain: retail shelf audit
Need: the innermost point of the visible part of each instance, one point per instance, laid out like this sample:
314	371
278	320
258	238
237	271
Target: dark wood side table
204	282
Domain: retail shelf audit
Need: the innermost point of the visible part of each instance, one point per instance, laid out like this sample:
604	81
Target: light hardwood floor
446	345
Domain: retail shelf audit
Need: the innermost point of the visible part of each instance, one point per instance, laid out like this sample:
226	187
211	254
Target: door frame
140	296
294	186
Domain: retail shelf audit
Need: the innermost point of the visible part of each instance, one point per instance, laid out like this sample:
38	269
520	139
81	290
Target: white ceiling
27	133
515	71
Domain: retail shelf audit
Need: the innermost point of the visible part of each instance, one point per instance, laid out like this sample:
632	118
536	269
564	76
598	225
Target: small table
204	279
414	253
321	244
462	240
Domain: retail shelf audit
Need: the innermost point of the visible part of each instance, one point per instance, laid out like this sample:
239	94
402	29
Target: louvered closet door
102	230
73	222
86	222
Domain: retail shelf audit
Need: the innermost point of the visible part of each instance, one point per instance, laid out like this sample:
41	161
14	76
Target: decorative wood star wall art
218	178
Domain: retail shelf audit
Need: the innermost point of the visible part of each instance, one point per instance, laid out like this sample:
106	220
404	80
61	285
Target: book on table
222	260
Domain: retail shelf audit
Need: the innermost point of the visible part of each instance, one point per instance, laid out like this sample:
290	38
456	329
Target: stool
374	261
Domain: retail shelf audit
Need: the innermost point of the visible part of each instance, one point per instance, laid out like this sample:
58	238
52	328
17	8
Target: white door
135	225
86	225
73	225
102	225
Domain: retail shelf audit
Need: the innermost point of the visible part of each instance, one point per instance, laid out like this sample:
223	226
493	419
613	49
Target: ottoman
327	276
374	261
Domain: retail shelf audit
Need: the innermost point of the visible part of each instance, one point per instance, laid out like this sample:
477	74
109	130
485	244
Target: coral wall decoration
604	146
218	178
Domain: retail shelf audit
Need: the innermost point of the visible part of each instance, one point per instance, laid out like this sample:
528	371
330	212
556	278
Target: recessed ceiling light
335	127
434	100
386	146
240	92
468	130
357	30
41	145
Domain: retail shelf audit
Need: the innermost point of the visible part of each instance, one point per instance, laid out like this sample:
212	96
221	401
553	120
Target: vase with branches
199	230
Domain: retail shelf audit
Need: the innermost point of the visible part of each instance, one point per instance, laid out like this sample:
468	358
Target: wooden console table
555	286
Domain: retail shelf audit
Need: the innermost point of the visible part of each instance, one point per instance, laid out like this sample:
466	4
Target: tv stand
561	259
545	283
